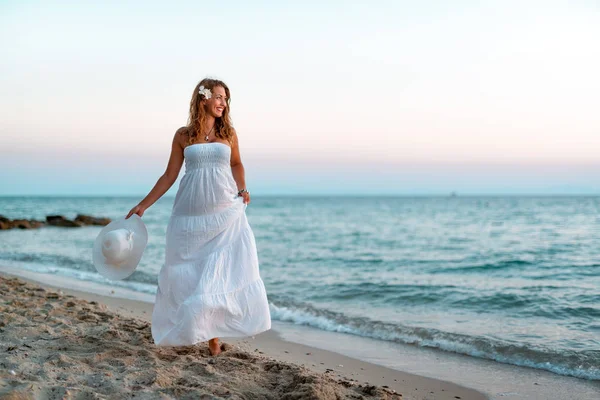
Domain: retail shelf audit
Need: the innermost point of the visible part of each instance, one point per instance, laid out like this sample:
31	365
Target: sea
507	278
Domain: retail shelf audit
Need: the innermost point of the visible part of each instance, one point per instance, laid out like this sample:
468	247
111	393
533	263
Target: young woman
209	285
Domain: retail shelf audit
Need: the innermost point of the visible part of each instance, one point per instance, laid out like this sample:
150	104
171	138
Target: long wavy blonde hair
223	126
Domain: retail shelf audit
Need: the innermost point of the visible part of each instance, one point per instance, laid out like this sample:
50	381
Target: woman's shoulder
183	131
181	136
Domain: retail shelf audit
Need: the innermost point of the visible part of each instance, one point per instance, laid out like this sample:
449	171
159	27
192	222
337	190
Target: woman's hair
223	127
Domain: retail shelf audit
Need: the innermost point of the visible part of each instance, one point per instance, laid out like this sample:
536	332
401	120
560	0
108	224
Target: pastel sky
328	97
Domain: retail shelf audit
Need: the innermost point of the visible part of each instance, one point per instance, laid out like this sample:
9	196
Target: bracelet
242	191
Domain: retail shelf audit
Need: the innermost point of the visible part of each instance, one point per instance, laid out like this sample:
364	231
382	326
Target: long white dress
209	285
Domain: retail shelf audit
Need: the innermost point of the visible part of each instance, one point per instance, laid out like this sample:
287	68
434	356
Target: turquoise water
513	279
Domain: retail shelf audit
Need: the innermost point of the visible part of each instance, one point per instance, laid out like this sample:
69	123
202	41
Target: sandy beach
62	343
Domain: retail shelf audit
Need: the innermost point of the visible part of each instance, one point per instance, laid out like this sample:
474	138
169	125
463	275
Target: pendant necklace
211	129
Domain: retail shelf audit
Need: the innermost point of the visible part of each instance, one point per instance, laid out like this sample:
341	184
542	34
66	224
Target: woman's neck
208	123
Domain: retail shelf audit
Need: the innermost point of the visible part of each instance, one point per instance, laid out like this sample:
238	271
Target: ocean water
511	279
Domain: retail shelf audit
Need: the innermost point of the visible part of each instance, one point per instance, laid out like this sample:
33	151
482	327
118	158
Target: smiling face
214	112
215	106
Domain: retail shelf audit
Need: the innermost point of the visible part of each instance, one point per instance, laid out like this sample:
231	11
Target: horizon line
449	195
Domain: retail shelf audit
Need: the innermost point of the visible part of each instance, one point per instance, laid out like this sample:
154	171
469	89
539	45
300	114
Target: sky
328	97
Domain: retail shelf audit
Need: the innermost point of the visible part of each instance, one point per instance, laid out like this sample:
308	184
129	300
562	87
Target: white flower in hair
205	91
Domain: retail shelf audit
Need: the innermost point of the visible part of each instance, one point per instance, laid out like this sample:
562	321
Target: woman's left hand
246	196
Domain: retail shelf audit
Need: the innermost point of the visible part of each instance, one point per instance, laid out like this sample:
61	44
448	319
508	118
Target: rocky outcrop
26	223
89	220
59	220
52	220
4	223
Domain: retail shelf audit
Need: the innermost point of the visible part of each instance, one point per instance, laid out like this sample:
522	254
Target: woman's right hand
139	210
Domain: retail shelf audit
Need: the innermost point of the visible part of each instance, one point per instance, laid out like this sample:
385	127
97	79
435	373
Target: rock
59	220
53	220
21	224
89	220
27	224
6	223
36	224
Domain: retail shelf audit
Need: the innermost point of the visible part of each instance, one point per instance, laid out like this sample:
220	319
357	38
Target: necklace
209	132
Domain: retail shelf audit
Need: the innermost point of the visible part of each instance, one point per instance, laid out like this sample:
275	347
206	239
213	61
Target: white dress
209	285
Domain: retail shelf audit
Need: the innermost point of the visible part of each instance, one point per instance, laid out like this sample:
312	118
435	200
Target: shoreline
423	370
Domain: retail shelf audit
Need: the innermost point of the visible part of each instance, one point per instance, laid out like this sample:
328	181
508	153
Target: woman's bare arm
167	179
237	168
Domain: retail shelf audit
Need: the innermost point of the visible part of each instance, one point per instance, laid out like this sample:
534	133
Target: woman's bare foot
214	347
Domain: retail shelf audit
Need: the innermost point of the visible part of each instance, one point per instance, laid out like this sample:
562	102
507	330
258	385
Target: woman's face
217	103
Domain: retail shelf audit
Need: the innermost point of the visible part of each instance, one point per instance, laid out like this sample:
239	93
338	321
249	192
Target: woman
209	285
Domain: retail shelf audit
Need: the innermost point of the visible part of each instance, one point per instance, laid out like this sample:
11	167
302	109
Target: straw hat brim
126	268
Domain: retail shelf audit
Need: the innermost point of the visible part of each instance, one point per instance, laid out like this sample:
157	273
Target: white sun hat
119	247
